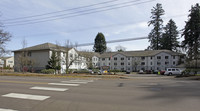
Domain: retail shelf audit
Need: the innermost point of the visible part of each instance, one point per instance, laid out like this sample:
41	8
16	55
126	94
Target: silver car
173	71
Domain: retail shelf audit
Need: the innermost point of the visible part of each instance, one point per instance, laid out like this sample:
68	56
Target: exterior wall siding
161	61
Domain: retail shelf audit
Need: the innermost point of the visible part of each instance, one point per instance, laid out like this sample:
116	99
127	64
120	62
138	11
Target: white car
173	71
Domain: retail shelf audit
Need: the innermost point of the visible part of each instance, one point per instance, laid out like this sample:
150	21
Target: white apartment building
141	60
7	62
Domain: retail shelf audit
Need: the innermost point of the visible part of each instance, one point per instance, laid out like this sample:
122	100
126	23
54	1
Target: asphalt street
67	94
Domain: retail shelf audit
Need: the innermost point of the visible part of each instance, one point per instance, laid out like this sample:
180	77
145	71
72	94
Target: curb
64	76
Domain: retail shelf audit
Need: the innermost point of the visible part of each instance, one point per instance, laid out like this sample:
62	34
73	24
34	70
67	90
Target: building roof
45	46
50	46
4	58
139	53
91	54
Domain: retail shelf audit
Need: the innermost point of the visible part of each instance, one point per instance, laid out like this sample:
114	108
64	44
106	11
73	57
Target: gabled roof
45	46
89	54
139	53
4	58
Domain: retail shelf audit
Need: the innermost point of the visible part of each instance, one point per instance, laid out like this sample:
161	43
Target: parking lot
139	93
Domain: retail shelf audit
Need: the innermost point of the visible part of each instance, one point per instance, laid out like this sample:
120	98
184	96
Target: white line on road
76	82
1	109
26	96
49	88
63	84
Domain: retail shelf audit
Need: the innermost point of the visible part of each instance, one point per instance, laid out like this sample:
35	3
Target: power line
69	15
55	12
80	14
97	27
114	41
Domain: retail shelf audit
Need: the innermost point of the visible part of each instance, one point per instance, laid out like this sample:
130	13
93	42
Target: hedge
48	71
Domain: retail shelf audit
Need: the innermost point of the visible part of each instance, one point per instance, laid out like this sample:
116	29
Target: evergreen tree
100	43
156	33
53	62
191	33
169	38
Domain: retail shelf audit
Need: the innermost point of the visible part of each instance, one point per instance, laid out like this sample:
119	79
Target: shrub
83	71
48	71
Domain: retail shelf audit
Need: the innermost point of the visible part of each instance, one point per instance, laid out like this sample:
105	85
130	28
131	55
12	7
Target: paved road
136	94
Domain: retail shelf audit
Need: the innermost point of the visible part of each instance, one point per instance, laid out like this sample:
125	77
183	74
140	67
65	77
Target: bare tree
135	63
108	49
4	38
25	63
69	58
120	48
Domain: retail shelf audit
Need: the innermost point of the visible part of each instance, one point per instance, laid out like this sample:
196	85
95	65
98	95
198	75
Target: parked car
90	71
173	71
128	71
141	72
162	72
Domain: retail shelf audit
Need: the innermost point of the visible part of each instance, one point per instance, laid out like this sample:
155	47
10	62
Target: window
166	57
109	64
174	57
174	63
158	57
151	58
115	58
129	63
158	63
122	63
142	58
71	55
10	61
142	63
109	58
166	63
151	63
128	58
122	58
115	63
29	54
103	59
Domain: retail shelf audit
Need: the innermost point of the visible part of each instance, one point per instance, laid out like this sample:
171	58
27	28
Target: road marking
76	82
26	96
23	82
49	88
63	84
1	109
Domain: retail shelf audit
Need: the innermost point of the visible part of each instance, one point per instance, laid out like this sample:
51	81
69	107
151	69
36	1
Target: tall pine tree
156	33
100	43
170	36
191	33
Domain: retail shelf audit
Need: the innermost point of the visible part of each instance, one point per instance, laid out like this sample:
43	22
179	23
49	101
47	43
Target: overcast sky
80	20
